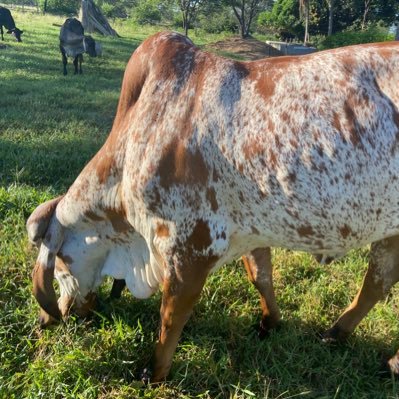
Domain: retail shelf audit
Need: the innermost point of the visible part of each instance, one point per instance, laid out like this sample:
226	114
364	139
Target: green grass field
50	126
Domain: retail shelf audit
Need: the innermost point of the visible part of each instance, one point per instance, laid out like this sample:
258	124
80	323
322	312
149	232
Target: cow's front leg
64	60
260	272
181	290
382	274
2	33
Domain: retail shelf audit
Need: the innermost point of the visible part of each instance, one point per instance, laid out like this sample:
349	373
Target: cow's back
71	32
293	152
6	18
301	152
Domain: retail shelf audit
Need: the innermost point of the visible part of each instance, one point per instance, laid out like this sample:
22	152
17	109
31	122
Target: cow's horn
43	273
39	220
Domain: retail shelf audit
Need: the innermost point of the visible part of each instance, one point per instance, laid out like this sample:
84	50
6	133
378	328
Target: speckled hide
210	158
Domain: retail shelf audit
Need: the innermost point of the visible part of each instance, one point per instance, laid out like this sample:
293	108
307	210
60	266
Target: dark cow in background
73	43
7	21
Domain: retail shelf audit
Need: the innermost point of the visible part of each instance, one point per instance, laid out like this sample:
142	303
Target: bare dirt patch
244	49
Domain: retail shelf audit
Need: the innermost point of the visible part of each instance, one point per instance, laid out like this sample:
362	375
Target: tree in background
147	12
189	9
283	19
93	19
328	16
216	17
247	11
330	4
304	13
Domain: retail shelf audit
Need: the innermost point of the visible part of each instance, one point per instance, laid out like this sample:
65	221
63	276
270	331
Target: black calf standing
7	21
73	43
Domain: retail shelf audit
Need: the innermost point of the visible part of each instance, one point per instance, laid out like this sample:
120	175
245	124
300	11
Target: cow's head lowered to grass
80	257
209	159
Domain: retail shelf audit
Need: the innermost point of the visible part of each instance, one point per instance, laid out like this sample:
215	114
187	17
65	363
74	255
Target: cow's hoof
265	326
145	376
45	320
334	335
393	365
65	73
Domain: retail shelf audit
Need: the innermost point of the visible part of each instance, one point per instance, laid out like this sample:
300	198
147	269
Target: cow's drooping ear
43	273
39	220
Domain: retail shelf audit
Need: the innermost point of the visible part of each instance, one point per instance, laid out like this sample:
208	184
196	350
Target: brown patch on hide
265	86
305	231
345	231
211	197
252	149
179	165
118	220
337	122
65	258
93	216
200	238
104	168
162	230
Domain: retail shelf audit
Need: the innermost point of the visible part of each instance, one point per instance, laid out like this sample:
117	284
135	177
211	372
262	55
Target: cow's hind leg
64	60
117	288
260	272
181	290
382	274
2	33
80	58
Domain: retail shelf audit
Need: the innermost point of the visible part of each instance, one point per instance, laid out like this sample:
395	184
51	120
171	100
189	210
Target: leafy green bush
348	37
147	12
61	6
283	18
116	8
218	22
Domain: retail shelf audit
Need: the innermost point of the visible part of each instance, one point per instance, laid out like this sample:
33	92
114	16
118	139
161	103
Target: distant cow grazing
209	159
7	21
73	43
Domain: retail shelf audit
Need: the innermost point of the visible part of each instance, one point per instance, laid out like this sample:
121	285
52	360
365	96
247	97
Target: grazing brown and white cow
209	159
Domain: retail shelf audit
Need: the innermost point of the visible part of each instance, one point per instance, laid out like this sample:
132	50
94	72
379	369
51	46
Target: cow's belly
351	217
73	51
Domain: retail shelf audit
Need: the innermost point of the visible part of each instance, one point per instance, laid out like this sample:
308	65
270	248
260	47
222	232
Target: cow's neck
96	193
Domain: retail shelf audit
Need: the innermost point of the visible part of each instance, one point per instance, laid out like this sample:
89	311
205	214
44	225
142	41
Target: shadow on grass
56	162
217	349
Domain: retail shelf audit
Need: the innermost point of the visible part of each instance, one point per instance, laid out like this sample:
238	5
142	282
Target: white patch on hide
132	262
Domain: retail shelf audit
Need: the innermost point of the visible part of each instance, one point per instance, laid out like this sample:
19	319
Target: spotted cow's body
210	158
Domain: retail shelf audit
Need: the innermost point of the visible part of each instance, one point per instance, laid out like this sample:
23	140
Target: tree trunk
45	6
366	11
330	17
397	31
93	19
306	38
185	21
